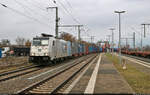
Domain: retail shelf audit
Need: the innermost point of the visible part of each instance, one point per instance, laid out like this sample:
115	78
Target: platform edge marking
91	85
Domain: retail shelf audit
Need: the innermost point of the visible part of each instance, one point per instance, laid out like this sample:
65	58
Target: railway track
19	72
13	67
54	82
139	58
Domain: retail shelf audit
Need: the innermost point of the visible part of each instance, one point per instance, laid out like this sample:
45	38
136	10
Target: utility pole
79	29
109	36
92	39
134	40
79	32
141	39
126	42
57	20
119	12
112	43
145	29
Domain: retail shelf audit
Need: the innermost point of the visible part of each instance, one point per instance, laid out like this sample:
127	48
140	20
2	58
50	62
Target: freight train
48	48
145	54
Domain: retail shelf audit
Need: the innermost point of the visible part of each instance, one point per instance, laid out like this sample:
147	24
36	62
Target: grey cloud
97	14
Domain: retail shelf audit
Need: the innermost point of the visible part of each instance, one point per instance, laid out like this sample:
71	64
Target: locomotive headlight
32	54
46	54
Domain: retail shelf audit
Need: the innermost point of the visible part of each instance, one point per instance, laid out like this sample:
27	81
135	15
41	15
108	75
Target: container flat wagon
0	53
21	51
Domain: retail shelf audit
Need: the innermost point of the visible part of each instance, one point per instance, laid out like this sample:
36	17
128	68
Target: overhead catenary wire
69	4
22	6
36	5
66	10
20	13
30	10
72	15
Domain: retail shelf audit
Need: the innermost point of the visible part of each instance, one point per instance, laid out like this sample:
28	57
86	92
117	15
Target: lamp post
112	44
119	12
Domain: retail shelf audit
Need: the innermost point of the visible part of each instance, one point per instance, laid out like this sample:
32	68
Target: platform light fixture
119	46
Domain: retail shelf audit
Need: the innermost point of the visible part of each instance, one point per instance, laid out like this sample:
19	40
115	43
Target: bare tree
68	37
20	41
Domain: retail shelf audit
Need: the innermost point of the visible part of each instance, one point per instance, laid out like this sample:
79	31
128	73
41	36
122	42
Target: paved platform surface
107	81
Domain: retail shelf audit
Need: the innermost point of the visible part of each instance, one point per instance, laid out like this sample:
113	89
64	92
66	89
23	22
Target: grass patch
139	81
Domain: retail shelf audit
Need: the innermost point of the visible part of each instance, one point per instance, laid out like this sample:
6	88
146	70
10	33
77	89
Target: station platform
109	80
101	77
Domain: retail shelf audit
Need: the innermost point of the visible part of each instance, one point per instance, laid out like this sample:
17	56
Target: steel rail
17	75
18	70
32	86
73	75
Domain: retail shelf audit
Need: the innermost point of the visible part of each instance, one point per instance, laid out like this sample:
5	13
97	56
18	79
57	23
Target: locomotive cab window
44	42
36	42
40	42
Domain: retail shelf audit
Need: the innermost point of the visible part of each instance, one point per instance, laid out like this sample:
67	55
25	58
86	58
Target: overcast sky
97	16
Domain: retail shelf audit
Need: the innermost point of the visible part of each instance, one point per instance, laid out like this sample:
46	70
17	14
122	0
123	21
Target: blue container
82	48
115	49
69	51
0	53
74	48
90	49
100	49
79	48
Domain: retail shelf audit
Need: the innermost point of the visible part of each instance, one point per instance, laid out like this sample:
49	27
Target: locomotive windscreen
40	41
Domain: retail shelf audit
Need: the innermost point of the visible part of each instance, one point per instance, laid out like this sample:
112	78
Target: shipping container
86	49
100	49
79	49
96	49
74	49
21	51
90	49
116	49
82	49
0	53
69	51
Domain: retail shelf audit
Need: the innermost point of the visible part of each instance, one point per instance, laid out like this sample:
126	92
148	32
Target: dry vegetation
139	81
12	63
9	61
